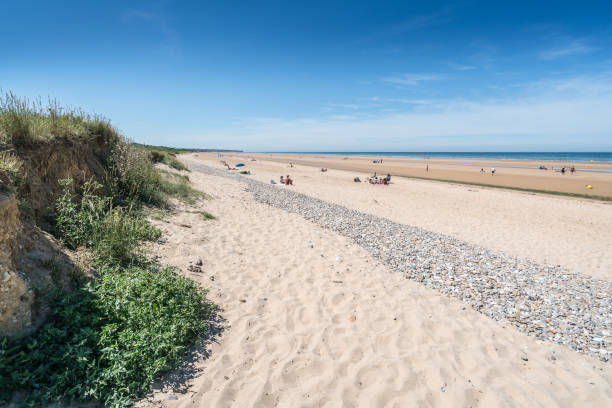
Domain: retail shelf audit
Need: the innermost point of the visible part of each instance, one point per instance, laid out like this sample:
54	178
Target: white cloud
413	79
549	119
461	67
574	47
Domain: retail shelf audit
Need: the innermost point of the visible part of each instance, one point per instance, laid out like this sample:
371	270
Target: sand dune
314	320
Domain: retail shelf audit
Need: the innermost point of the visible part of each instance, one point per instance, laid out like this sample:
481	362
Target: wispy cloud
569	114
461	67
402	100
574	47
414	23
413	79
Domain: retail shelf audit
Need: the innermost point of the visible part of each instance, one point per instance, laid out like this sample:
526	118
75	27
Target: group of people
572	170
379	180
562	170
286	180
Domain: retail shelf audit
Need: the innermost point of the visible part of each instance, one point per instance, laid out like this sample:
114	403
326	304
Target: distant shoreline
586	157
518	174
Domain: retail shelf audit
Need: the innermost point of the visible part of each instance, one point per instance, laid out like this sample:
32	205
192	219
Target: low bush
114	233
10	170
160	156
107	340
132	176
177	185
112	334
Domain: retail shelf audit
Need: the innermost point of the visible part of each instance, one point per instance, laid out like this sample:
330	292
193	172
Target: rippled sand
313	320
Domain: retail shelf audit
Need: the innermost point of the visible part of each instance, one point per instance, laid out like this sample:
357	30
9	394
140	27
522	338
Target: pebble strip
547	302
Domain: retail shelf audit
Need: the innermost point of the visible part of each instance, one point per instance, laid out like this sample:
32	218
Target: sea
535	156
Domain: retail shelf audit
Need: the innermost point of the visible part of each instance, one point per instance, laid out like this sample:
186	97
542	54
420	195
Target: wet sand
509	173
573	233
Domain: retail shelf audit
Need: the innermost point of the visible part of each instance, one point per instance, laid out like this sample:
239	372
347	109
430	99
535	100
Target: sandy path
573	233
314	320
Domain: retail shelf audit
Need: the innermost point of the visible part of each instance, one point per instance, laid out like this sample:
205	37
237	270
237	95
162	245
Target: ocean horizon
548	156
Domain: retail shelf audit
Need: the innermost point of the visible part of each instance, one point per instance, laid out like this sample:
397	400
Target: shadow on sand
177	380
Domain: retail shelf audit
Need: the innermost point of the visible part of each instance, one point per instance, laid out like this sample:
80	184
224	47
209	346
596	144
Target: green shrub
114	233
132	176
10	170
159	156
108	340
174	163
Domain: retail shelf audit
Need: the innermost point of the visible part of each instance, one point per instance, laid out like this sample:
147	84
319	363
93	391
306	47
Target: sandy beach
573	233
313	319
509	173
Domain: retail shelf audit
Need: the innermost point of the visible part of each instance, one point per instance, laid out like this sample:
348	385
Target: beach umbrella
240	165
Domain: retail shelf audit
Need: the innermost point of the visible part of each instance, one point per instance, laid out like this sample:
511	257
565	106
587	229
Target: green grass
10	170
165	149
114	233
205	215
108	337
177	185
24	123
526	190
107	340
166	155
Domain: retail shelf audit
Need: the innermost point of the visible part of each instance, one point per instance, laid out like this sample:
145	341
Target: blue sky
324	76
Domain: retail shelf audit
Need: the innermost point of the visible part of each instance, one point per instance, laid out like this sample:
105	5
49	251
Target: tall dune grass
109	337
24	122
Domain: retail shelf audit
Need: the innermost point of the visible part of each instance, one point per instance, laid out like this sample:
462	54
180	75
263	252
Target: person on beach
562	170
572	170
282	180
482	170
288	181
388	178
493	171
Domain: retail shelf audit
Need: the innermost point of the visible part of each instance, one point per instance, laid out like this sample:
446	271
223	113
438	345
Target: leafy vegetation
108	339
114	233
109	336
205	215
166	155
10	170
